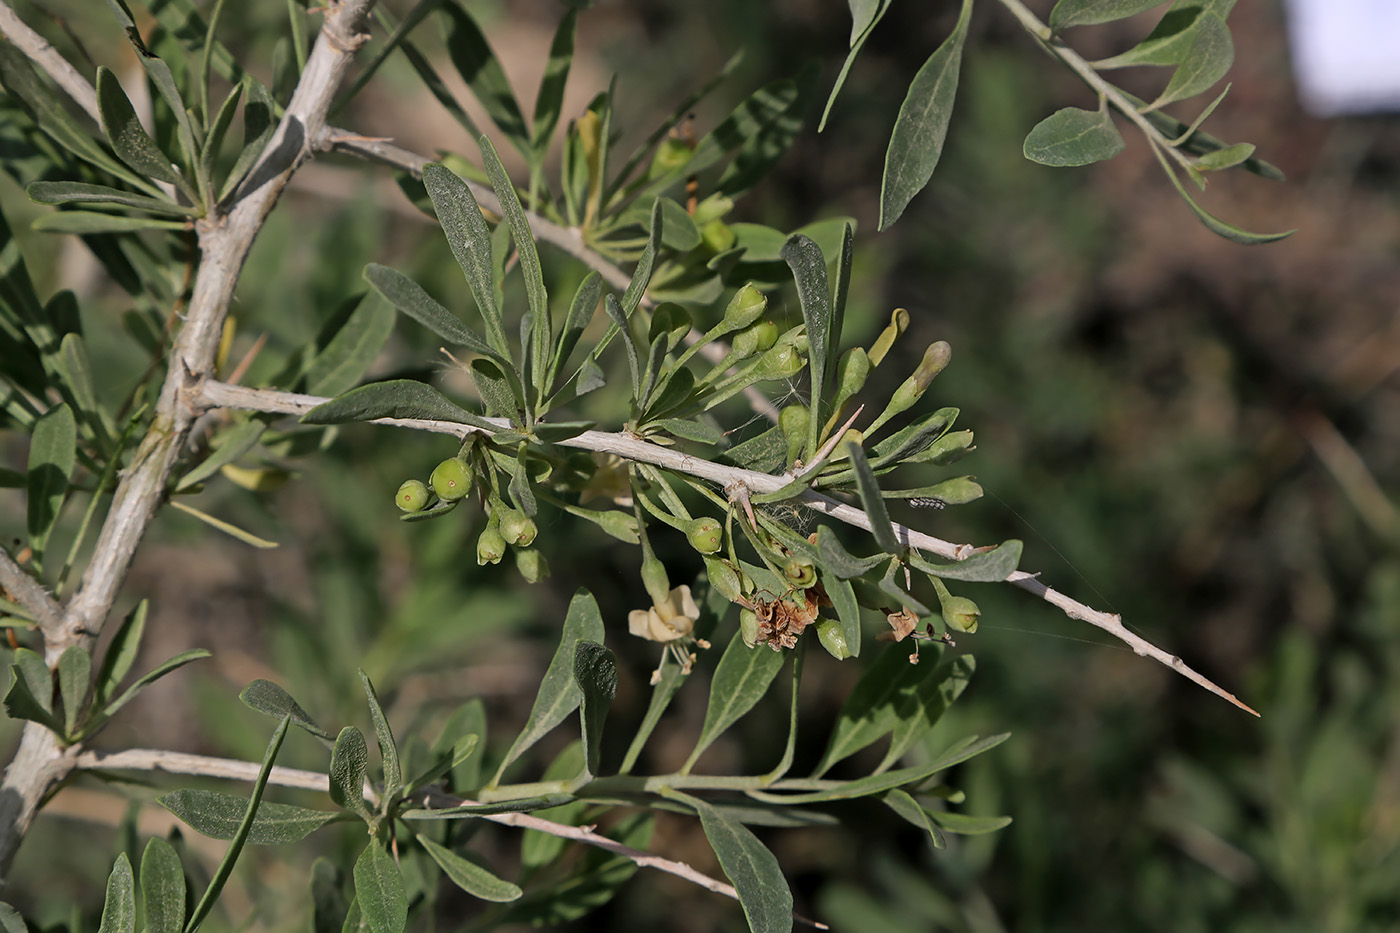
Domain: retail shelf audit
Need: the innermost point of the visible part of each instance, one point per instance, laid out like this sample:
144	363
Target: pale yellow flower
609	482
673	619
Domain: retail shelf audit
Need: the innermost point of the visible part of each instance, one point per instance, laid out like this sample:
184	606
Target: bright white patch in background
1346	55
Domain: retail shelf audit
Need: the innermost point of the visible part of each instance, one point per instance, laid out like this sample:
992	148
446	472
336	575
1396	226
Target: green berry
452	479
833	639
706	535
724	578
753	339
746	307
490	547
748	626
412	496
717	235
517	528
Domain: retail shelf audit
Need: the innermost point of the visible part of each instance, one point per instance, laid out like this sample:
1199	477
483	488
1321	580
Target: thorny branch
219	394
146	759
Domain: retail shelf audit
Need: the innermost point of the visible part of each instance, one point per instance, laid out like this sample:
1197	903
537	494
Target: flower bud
793	421
517	528
786	358
851	373
799	574
670	155
451	480
899	322
833	639
936	357
490	547
717	236
654	578
412	496
748	626
724	578
705	534
712	208
960	613
746	307
531	564
754	339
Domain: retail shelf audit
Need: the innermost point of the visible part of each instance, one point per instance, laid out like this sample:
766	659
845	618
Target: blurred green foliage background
1201	436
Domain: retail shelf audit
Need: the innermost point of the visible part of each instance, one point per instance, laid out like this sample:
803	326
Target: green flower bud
717	236
935	358
724	578
793	421
451	480
705	534
531	564
754	339
412	496
748	626
490	547
654	578
799	574
786	358
670	155
517	528
899	323
746	307
960	613
712	208
851	374
833	639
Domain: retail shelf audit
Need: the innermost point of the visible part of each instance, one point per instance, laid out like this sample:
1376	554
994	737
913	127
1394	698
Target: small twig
147	759
29	593
630	447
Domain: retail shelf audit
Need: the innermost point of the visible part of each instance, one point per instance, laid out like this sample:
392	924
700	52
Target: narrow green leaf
699	431
395	398
52	453
268	698
498	394
119	909
1213	223
799	656
964	825
410	298
11	921
178	661
75	368
379	890
162	887
259	123
1073	137
841	562
353	349
741	679
160	77
349	764
214	138
754	871
479	67
74	678
619	319
220	815
580	314
870	711
121	654
469	876
865	15
595	672
804	257
985	567
549	102
909	810
1229	157
225	869
129	139
1167	44
232	445
873	502
384	736
559	694
31	692
922	124
83	223
74	192
661	694
1069	13
1212	53
228	528
542	339
470	240
843	598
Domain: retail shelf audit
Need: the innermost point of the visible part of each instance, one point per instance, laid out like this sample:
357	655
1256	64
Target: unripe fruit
490	547
785	359
670	155
833	639
748	626
754	339
960	613
705	534
412	496
799	574
746	307
851	374
517	528
717	236
793	421
451	480
723	578
654	578
531	564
